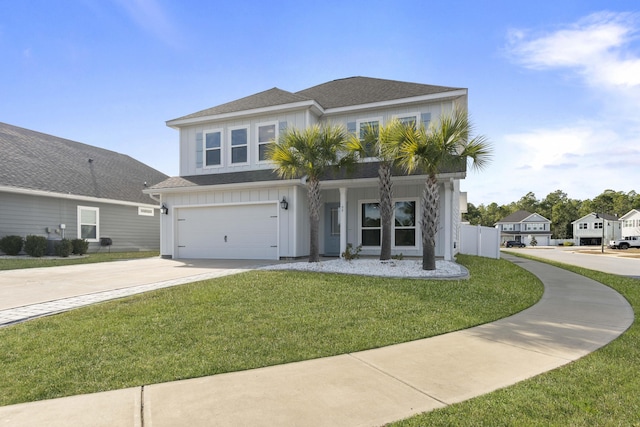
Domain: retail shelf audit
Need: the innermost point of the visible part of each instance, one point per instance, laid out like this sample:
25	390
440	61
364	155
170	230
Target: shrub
80	246
11	245
63	248
351	253
399	256
567	243
533	242
35	246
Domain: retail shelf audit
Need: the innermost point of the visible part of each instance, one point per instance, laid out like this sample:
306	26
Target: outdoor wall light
284	204
164	210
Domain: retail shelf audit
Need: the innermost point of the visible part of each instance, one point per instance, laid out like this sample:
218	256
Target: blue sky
555	85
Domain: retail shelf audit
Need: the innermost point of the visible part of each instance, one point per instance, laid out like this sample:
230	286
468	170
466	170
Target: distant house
523	226
229	203
630	223
590	229
58	188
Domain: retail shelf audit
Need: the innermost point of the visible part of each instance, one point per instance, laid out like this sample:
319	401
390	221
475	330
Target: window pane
213	157
262	151
370	215
88	231
405	214
213	140
406	237
88	217
409	120
335	221
239	137
369	134
371	237
266	133
239	155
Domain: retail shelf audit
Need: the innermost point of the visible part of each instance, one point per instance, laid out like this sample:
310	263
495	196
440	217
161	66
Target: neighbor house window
403	224
88	223
582	226
266	136
597	225
369	128
507	227
239	145
213	147
145	211
534	226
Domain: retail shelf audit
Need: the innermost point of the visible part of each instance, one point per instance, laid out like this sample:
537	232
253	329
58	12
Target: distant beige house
523	226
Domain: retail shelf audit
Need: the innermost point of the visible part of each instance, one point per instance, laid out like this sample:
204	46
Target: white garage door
228	232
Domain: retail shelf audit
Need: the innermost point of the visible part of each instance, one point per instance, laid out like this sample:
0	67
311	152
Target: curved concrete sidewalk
574	317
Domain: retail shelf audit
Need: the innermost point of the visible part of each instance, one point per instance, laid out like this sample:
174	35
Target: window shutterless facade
88	223
403	224
239	140
363	127
267	133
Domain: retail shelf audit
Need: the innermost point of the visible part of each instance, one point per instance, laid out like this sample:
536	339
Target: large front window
239	145
88	223
403	224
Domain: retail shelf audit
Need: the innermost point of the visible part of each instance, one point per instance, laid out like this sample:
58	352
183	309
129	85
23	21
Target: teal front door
331	229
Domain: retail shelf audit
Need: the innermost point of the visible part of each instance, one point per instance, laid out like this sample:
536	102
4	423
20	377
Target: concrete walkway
574	317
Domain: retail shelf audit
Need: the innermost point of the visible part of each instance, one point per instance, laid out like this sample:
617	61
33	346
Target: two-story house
523	226
630	224
591	229
229	203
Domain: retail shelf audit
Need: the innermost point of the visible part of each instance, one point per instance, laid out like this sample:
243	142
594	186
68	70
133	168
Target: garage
248	231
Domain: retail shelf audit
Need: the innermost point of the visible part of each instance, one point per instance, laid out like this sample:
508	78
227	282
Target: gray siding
23	215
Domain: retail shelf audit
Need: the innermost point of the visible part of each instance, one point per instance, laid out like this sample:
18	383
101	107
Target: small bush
80	246
351	253
35	246
11	245
533	242
63	248
399	257
568	243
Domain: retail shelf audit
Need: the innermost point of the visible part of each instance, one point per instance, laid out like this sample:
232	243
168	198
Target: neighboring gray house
57	188
591	228
228	202
523	226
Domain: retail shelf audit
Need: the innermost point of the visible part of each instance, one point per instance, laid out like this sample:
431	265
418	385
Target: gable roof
592	215
519	216
334	94
36	161
630	214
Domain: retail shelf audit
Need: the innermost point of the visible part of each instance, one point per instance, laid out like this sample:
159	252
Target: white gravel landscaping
375	267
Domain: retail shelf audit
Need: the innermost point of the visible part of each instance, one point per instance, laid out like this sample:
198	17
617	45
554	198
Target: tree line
556	207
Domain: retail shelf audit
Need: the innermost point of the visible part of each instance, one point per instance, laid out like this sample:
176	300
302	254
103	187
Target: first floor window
403	224
88	223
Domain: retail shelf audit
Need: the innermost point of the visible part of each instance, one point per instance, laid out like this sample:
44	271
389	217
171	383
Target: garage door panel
228	232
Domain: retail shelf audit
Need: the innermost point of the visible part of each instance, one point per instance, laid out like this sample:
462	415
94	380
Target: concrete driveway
612	261
38	285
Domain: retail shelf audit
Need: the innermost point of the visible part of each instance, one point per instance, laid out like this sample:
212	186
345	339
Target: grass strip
600	389
21	262
250	320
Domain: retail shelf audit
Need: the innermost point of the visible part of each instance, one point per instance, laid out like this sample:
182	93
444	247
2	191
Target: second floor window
368	132
266	134
239	147
213	148
582	226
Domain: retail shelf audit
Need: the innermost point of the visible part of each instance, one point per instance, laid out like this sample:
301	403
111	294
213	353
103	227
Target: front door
332	229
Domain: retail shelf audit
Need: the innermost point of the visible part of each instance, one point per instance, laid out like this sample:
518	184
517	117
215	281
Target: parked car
626	243
514	243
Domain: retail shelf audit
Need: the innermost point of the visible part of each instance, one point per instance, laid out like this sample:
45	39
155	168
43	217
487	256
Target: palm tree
310	152
376	140
430	150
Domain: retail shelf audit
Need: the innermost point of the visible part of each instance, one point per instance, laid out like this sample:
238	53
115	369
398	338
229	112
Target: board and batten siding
23	215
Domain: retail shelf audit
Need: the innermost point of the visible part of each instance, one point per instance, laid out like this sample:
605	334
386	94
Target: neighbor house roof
334	94
36	161
606	216
518	216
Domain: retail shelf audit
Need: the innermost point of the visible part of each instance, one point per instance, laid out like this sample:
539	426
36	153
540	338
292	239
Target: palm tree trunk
313	192
430	209
386	208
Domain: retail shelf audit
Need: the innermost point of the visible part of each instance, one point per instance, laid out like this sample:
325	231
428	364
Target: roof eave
302	105
42	193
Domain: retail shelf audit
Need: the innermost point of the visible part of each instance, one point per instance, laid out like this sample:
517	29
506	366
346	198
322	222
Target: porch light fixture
164	210
284	204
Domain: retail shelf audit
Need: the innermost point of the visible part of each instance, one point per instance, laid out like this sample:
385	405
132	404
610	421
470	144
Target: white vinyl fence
480	241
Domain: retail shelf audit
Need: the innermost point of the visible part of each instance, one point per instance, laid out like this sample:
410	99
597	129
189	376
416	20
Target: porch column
447	223
343	220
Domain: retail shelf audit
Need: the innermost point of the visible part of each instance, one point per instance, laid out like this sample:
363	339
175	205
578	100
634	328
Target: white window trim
204	148
257	133
359	122
79	216
142	211
231	147
418	236
417	115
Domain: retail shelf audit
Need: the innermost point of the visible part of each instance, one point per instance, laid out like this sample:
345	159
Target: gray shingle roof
37	161
516	217
337	93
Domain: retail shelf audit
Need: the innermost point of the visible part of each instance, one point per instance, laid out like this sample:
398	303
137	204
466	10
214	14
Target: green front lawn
245	321
601	389
18	263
